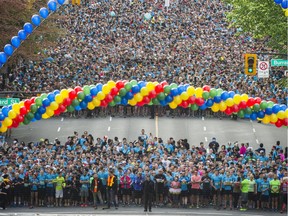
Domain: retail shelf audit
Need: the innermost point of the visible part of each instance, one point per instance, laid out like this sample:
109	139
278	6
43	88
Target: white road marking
257	141
203	118
110	118
206	139
254	130
62	119
204	128
59	128
156	126
109	128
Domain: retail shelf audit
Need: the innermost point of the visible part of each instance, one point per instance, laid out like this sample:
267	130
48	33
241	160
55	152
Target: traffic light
250	64
78	2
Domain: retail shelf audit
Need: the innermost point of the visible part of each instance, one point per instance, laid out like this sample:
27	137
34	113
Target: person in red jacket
125	184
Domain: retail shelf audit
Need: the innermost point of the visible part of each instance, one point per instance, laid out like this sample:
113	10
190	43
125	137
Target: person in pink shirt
195	187
242	149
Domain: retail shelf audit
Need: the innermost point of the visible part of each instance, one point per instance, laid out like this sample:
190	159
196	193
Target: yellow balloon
286	13
190	91
222	106
138	97
266	119
237	99
273	118
96	102
91	106
21	104
12	114
111	84
229	102
150	86
144	91
105	89
215	107
59	99
173	105
198	92
286	113
7	122
155	83
64	93
244	97
49	112
45	116
16	108
3	129
177	100
184	96
281	115
132	102
100	96
54	106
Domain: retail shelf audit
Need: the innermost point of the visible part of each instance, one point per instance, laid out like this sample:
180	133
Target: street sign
279	63
8	101
263	69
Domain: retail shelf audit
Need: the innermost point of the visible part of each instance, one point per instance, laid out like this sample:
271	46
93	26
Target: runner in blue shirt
264	187
216	189
228	182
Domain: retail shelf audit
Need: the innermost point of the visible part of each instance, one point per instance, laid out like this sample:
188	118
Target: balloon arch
141	93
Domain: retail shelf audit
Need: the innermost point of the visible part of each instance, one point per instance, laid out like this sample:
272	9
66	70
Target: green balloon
167	89
33	108
219	91
123	92
43	96
70	108
92	86
86	90
263	105
26	121
133	82
161	96
205	95
117	99
75	103
248	111
173	85
256	107
194	107
30	116
213	92
80	95
38	101
155	101
112	103
270	104
128	86
241	114
150	103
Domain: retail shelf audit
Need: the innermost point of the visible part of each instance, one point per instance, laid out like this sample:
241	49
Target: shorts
274	195
59	194
251	196
258	196
195	191
264	198
284	198
184	193
227	192
126	191
244	197
50	192
84	192
216	192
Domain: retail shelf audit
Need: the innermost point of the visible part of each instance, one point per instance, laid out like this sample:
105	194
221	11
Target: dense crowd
87	171
187	42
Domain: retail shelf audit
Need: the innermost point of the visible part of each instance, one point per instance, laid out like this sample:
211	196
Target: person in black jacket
96	187
3	193
148	191
112	187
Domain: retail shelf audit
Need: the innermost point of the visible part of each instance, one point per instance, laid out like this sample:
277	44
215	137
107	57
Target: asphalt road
194	129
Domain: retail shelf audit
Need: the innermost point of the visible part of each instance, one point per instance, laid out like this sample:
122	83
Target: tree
263	19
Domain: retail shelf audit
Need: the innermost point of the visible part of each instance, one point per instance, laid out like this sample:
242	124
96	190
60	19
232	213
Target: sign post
263	69
8	101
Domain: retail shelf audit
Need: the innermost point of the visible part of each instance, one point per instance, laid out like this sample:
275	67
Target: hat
213	138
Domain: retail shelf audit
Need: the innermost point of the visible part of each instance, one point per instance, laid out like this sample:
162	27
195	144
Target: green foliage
263	19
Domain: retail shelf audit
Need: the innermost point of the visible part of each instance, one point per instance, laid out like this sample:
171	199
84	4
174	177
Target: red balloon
159	88
77	89
15	124
191	100
114	91
67	102
250	102
140	104
152	94
285	121
119	84
279	123
57	112
72	94
23	110
164	83
199	101
109	98
103	103
20	118
242	105
206	88
228	111
235	108
146	100
62	108
257	100
27	104
185	104
33	100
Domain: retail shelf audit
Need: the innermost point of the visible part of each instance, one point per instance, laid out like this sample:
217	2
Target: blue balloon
15	41
46	102
278	1
99	87
3	58
168	99
162	102
203	107
174	92
93	91
231	94
77	108
186	86
135	89
2	117
124	101
275	108
1	64
52	5
181	89
260	114
224	95
51	97
37	116
8	49
217	99
141	84
10	107
253	116
61	2
129	95
22	34
209	103
5	111
44	13
83	105
246	116
268	111
56	92
41	110
284	4
88	98
36	20
283	107
28	28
